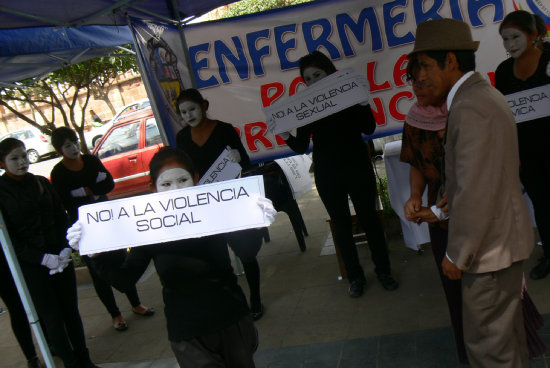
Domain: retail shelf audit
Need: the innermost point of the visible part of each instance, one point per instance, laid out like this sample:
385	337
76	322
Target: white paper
177	214
222	169
331	94
296	170
530	104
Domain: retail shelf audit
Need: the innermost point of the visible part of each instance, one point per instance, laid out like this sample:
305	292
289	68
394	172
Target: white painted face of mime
176	178
16	162
514	40
70	149
191	113
313	74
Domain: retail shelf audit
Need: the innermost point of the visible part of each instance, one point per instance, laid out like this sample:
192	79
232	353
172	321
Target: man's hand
412	206
443	205
451	270
426	215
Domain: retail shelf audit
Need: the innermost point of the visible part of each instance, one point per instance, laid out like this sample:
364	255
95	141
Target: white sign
222	169
166	216
296	170
331	94
530	104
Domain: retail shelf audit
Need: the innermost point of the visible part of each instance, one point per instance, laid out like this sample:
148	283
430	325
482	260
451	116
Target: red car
126	150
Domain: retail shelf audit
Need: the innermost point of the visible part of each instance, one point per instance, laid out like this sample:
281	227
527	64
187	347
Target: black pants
334	187
105	292
18	317
452	288
56	302
535	177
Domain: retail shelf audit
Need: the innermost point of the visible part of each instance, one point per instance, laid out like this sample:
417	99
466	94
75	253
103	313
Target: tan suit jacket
489	226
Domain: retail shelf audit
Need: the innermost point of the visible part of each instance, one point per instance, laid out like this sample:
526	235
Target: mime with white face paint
342	167
529	67
204	139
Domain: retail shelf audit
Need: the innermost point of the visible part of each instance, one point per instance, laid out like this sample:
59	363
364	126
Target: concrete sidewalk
309	321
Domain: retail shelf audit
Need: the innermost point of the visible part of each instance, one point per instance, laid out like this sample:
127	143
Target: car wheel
95	140
33	156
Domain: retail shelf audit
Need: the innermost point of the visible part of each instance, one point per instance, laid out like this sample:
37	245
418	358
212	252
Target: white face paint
70	149
16	162
313	74
191	113
176	178
514	40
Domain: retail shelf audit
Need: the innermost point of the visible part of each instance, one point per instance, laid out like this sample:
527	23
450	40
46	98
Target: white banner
166	216
331	94
296	170
222	169
530	104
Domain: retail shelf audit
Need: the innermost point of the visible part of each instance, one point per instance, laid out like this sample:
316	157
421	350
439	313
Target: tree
66	91
253	6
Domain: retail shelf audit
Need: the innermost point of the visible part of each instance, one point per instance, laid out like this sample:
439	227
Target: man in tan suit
489	227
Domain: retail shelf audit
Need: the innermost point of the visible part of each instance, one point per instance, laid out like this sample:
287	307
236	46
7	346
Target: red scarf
432	118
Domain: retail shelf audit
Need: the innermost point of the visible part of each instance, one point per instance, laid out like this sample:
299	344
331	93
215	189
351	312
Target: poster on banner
296	170
331	94
172	215
222	169
245	64
530	104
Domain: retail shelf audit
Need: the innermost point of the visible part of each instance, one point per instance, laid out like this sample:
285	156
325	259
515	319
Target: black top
65	180
532	135
337	139
200	291
204	156
34	216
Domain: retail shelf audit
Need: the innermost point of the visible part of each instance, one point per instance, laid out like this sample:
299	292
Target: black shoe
256	315
541	269
388	282
356	288
34	363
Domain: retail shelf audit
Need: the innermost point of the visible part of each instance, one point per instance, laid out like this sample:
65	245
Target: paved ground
310	321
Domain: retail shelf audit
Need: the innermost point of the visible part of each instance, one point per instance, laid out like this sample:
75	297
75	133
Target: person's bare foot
143	310
119	323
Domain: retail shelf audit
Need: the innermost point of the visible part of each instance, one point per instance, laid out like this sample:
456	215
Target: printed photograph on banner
172	215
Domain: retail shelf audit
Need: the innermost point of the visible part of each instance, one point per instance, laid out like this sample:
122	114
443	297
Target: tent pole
147	84
24	293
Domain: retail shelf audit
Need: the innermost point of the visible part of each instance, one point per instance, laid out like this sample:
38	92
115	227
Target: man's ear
451	61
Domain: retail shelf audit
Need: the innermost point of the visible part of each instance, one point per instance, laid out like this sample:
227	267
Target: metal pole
24	293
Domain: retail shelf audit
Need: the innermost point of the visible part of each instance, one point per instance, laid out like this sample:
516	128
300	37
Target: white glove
100	176
267	208
233	155
64	260
271	126
284	135
79	192
51	261
73	235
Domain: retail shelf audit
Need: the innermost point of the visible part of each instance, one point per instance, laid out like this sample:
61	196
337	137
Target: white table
399	192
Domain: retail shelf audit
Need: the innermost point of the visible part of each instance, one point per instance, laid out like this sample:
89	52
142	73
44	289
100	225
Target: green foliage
78	262
254	6
382	186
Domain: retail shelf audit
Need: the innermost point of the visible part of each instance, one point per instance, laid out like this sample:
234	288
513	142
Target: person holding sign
36	222
204	139
80	180
207	315
342	167
528	70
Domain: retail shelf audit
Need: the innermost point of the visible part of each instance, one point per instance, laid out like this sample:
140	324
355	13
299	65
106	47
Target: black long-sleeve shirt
65	181
35	217
200	291
337	139
204	156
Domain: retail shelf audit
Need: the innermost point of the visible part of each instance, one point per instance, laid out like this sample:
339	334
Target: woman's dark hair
318	60
193	95
169	154
8	145
541	26
521	19
60	135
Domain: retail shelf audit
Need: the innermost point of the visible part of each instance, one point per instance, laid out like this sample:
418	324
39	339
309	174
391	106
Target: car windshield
122	139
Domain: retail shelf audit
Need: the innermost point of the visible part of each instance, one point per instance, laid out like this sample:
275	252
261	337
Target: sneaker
388	282
541	269
356	288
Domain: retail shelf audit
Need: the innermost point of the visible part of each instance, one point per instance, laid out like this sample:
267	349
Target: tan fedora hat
443	34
